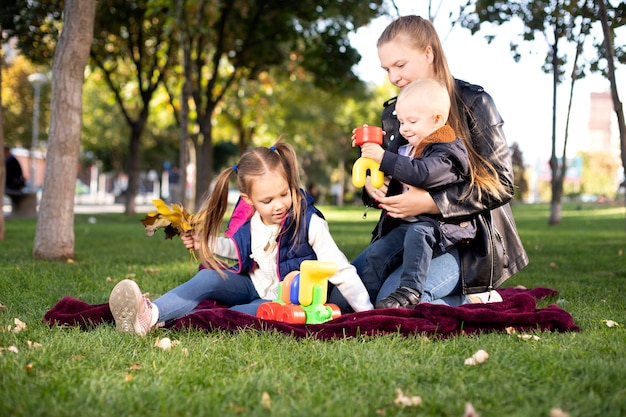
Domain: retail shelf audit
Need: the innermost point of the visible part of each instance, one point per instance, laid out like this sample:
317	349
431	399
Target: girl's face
405	64
270	196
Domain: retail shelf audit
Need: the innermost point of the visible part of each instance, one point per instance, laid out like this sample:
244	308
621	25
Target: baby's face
417	120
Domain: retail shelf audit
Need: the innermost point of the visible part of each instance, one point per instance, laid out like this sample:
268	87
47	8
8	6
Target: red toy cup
366	134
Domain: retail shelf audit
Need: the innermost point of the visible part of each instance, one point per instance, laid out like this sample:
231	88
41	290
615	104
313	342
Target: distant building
600	118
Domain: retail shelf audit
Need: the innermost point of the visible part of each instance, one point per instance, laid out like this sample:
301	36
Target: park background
66	371
522	92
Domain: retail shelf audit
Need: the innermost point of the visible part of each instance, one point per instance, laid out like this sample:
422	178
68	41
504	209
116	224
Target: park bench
23	203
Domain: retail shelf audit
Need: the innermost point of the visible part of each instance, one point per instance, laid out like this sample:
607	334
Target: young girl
282	230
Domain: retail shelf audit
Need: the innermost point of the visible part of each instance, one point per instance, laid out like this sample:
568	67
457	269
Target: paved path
96	208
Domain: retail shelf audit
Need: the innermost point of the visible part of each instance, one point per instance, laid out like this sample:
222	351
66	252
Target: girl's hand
413	202
191	240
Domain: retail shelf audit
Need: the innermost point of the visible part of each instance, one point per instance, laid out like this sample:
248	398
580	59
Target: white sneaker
485	297
131	310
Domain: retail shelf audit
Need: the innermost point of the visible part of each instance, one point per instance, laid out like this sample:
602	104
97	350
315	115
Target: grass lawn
69	372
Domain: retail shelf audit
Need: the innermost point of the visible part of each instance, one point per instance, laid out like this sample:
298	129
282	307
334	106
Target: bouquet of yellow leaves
175	220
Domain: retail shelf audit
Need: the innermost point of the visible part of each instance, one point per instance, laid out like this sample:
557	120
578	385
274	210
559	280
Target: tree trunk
133	161
54	237
617	104
3	171
204	164
556	182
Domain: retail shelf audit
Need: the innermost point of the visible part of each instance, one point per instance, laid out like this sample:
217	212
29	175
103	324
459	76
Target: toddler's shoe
131	310
403	297
485	297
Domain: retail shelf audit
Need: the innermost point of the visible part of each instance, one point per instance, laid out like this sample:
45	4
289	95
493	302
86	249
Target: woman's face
404	64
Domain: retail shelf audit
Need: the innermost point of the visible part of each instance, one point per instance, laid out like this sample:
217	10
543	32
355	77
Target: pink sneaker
131	310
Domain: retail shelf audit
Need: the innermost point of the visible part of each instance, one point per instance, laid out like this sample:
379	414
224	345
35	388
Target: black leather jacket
497	252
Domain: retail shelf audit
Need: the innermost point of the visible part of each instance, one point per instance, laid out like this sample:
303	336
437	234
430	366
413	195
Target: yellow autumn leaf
174	219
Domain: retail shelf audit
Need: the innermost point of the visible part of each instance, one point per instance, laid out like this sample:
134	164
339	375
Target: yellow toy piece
314	273
359	173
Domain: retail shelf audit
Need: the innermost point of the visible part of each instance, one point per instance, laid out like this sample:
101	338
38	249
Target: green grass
101	372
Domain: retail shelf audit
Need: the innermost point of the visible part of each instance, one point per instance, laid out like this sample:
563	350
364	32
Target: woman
410	49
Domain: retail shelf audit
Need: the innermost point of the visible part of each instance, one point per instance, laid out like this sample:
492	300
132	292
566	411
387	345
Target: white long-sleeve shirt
265	251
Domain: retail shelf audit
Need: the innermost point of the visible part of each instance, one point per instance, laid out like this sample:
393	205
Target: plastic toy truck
302	296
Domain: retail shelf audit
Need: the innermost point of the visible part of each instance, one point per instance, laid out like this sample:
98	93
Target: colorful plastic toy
302	296
362	135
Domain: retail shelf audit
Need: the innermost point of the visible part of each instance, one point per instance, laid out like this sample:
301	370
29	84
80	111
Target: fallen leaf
29	367
266	401
557	412
165	343
19	325
135	366
510	330
528	337
470	411
610	323
477	358
33	345
405	401
128	377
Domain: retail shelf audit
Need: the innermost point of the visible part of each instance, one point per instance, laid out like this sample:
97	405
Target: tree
609	54
7	14
229	41
134	51
54	237
554	21
519	172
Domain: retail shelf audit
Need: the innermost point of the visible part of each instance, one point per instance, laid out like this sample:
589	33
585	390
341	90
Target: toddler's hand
372	151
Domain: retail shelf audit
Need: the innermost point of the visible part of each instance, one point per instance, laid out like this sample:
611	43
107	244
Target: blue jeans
443	283
412	245
235	290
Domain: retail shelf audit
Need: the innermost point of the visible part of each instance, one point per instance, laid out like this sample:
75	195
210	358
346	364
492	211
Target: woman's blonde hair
418	34
279	159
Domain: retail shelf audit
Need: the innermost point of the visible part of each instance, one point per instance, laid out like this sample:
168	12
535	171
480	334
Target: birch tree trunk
54	237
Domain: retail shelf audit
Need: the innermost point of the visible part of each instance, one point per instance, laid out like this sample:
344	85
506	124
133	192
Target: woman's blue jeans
443	283
234	290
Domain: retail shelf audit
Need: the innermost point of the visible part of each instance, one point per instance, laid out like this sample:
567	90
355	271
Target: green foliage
102	372
18	102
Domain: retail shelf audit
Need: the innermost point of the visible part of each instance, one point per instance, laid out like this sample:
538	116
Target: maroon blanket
518	310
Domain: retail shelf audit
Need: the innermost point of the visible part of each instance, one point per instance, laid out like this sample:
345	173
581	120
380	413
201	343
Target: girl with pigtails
281	229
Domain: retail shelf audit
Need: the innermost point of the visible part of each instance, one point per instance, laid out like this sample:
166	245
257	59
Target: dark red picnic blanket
517	310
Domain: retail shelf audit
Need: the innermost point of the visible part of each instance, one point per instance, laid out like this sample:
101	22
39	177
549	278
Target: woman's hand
191	240
413	202
374	192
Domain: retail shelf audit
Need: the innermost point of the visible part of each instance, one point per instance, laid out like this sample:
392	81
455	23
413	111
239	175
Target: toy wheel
291	313
336	311
268	311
